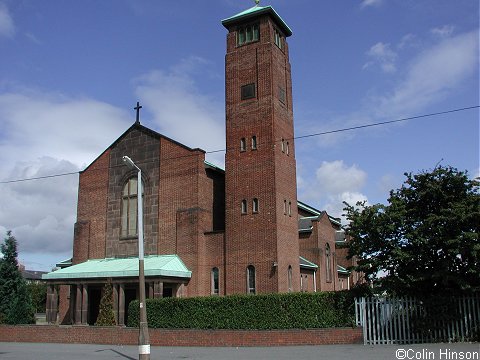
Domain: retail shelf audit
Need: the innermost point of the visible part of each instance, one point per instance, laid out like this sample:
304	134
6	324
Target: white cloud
443	31
43	134
40	213
181	111
408	40
334	183
433	74
334	204
381	54
7	27
35	124
367	3
335	177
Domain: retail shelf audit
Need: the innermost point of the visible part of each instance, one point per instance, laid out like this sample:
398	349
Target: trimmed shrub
261	312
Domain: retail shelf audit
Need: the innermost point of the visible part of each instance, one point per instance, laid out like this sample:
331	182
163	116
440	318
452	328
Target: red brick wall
312	248
89	237
184	337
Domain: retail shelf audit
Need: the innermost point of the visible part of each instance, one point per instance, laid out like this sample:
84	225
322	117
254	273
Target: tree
38	293
425	241
106	316
15	301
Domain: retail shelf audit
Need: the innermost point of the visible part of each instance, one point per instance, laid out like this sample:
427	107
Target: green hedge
271	311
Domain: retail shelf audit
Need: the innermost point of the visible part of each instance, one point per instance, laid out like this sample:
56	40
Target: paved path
26	351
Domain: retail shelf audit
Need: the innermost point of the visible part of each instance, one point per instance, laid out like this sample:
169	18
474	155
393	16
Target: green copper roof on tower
257	11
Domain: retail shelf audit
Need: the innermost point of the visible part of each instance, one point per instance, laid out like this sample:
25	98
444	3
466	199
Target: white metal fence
410	321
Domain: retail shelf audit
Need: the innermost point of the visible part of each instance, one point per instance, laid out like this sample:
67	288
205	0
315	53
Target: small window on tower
254	142
255	205
244	206
277	36
281	94
248	91
243	144
248	34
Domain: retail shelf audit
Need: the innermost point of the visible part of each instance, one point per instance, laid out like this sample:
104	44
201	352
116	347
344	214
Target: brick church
207	230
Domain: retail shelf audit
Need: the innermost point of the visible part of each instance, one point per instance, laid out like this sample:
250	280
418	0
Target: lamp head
129	163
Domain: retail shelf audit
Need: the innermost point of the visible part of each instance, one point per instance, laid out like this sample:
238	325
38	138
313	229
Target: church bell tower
261	235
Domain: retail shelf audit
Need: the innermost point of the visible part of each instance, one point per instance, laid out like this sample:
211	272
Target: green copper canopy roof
161	265
257	11
304	263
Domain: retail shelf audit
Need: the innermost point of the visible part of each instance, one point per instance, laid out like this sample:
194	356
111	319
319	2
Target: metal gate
395	321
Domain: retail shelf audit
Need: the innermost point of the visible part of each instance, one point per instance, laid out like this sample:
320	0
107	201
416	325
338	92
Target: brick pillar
54	305
71	309
85	305
49	304
150	290
115	302
158	289
121	305
78	304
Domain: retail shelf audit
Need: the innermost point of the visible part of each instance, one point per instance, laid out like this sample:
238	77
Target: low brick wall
180	337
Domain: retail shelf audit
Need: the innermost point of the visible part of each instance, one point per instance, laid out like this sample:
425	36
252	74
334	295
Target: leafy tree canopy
425	241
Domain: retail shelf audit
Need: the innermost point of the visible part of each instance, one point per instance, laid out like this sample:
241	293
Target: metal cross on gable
137	108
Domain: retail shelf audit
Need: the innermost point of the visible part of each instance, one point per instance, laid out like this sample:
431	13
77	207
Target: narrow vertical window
255	205
251	279
285	207
256	33
281	95
290	286
277	37
254	142
328	263
244	206
287	150
129	218
243	144
215	282
283	145
289	208
241	36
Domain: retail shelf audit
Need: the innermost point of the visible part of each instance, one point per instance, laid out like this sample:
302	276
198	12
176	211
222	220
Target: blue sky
72	71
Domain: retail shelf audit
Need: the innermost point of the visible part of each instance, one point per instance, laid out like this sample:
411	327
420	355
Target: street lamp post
143	338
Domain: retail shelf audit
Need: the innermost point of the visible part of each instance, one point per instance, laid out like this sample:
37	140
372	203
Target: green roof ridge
255	11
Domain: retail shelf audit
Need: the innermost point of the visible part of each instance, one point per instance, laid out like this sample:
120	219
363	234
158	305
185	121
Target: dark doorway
94	296
169	290
130	295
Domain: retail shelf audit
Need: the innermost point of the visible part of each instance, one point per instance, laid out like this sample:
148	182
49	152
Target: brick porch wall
181	337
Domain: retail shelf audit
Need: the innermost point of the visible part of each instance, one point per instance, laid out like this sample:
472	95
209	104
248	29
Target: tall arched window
129	226
244	206
255	205
328	263
254	142
290	285
251	279
215	286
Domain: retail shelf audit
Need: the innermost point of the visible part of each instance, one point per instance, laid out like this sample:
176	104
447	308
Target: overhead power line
295	138
38	177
